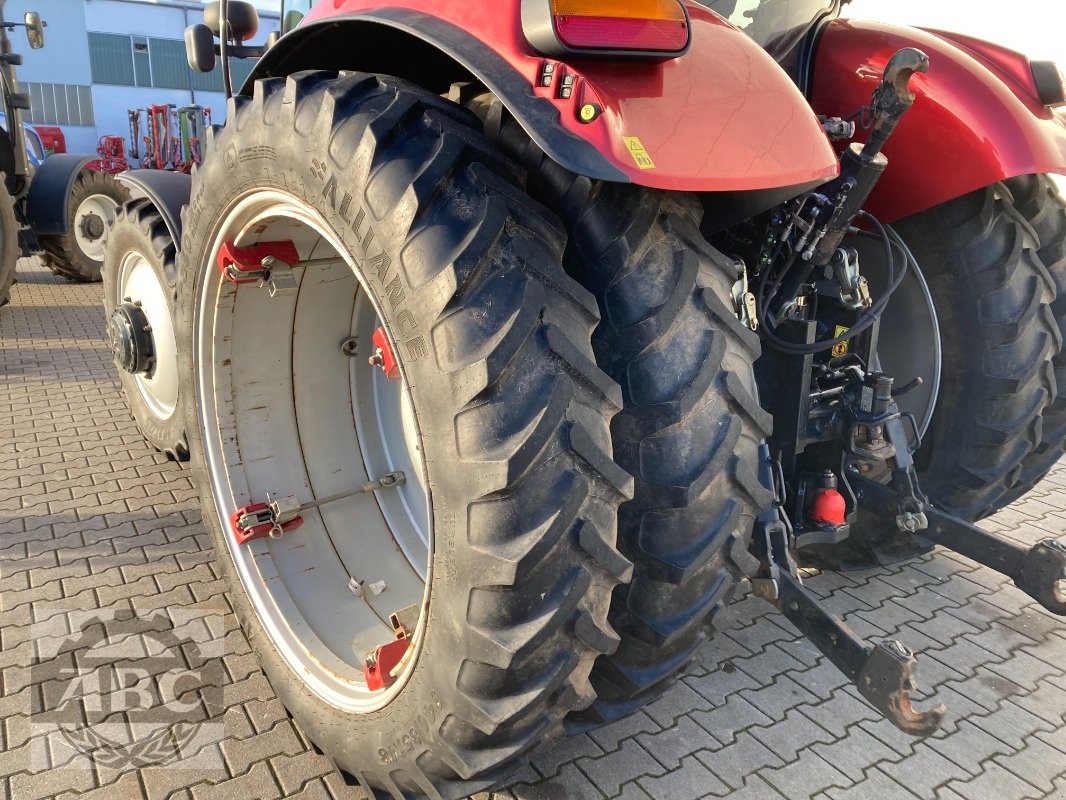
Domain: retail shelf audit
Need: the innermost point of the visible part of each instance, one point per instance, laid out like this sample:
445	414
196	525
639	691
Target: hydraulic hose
869	317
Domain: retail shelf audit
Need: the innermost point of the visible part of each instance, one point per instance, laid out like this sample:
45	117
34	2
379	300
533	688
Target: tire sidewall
9	245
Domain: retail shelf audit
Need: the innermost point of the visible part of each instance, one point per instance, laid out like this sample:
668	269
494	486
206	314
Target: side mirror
242	20
200	48
34	29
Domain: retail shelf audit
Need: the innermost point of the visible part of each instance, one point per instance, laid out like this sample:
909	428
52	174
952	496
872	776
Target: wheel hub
92	227
91	220
130	337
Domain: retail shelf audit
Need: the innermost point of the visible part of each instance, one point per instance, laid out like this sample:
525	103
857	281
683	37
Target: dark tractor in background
56	209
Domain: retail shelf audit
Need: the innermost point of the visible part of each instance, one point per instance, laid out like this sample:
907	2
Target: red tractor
508	342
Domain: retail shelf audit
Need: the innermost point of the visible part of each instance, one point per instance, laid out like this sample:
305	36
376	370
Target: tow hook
883	674
379	667
276	517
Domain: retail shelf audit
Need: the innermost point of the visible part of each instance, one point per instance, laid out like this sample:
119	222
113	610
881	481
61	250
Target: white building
103	57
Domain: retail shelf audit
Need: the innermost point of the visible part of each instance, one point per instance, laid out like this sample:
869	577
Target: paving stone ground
93	521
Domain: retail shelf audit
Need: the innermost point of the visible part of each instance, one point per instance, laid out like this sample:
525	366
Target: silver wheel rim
284	411
106	209
139	284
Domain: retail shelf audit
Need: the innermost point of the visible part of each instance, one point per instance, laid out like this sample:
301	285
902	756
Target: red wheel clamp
383	356
245	264
379	666
264	519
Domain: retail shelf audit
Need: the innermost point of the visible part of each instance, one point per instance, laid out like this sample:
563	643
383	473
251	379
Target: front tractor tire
996	415
93	205
140	288
497	550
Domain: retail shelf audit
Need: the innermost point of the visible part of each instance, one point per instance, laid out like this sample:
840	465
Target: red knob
829	507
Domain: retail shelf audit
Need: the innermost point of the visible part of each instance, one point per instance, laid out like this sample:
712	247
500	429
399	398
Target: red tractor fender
977	118
722	117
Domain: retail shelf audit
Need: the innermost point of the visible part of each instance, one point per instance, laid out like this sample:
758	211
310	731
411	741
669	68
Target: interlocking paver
1037	763
806	776
1011	723
840	712
736	762
969	747
668	747
995	782
629	762
611	737
90	517
854	752
786	737
736	714
692	781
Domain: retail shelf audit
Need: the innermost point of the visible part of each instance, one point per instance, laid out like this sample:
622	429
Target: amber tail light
640	28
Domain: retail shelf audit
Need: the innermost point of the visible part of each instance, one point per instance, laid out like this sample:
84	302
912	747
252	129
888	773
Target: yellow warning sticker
842	348
640	155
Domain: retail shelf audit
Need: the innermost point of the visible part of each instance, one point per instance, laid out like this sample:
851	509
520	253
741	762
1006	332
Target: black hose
869	318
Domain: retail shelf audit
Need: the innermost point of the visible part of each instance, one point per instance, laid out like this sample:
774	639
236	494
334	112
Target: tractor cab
16	159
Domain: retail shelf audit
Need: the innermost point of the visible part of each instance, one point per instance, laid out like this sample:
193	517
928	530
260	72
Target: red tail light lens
635	27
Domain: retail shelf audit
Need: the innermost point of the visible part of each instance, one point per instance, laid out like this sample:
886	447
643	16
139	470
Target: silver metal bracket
854	288
912	522
744	301
278	278
284	509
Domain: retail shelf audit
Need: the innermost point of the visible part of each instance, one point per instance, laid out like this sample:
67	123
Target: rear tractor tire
94	203
494	559
997	405
690	426
1038	200
140	287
